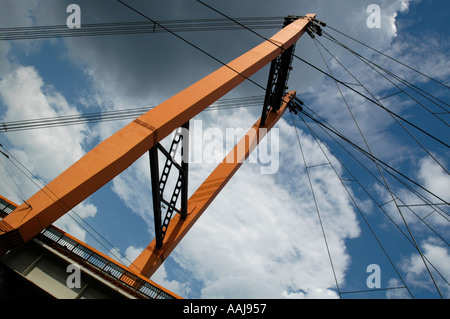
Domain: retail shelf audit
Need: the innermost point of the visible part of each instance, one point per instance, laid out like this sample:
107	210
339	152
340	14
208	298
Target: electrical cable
398	78
376	103
94	117
316	138
380	206
389	57
390	112
369	156
125	28
189	43
317	207
166	29
408	228
385	182
372	95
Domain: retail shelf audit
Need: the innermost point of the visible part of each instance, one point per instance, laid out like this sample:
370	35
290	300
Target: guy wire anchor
314	27
296	105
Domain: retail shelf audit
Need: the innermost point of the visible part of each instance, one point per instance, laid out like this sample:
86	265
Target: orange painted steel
116	153
151	258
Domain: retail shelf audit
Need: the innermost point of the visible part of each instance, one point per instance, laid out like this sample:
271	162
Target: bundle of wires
143	27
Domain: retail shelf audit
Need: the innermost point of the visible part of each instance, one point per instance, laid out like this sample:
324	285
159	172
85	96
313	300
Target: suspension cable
316	205
374	65
29	124
371	197
145	27
316	138
372	95
389	57
317	29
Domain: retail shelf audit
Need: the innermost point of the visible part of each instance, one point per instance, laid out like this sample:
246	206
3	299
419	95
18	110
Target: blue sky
261	238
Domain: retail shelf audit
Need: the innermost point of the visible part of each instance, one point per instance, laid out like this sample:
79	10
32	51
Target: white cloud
435	178
133	186
404	6
26	97
15	14
48	152
4	63
162	279
72	222
417	274
401	293
267	241
127	257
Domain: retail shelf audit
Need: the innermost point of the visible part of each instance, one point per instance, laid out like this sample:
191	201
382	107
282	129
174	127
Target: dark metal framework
159	182
278	77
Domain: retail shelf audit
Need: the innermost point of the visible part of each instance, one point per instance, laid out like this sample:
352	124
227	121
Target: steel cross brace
159	181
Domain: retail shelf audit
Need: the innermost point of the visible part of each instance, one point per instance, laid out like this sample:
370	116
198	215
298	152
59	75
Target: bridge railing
103	266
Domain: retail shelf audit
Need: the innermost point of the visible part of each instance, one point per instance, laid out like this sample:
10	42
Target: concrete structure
57	265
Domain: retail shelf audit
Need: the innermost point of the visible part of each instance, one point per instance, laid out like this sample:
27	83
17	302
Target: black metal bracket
314	27
278	77
295	105
159	182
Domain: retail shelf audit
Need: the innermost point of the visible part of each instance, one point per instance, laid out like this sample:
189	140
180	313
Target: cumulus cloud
417	274
45	155
72	222
246	242
435	178
26	96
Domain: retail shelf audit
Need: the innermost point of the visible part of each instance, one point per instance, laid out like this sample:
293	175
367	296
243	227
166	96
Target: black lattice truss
161	205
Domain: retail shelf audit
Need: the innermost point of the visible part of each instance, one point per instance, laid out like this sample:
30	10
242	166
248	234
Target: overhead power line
124	114
141	27
391	58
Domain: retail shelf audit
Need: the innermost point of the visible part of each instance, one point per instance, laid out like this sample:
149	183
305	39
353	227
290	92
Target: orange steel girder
118	152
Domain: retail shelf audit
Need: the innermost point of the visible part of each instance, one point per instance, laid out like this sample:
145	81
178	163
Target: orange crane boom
118	152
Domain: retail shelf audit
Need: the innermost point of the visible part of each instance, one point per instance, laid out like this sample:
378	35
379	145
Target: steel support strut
159	181
118	152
